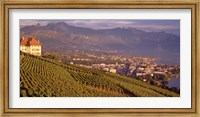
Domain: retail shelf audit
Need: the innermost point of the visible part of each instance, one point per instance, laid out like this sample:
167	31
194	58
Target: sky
169	26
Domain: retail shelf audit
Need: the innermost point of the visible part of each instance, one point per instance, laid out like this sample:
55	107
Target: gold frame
6	5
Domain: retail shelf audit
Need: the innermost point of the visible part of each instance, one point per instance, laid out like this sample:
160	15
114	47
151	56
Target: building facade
31	45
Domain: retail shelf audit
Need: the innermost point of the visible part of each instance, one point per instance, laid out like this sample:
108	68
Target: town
142	68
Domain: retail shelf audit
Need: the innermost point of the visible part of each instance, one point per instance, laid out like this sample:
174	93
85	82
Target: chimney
22	38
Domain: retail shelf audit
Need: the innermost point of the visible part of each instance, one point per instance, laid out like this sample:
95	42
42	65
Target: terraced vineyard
40	77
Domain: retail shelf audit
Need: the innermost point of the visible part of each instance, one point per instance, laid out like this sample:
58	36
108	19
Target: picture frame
111	4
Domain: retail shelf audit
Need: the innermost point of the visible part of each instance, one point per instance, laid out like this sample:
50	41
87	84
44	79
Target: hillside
40	77
61	37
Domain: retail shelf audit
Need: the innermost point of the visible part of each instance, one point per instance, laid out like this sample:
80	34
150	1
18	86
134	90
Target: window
35	49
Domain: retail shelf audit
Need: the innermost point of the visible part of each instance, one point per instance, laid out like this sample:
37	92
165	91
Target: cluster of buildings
142	68
132	66
30	45
139	70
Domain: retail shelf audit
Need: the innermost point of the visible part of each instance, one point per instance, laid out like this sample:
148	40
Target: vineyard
40	77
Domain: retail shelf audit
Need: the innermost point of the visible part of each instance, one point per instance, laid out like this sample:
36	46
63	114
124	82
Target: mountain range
63	37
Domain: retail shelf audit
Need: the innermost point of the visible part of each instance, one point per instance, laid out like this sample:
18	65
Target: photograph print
99	58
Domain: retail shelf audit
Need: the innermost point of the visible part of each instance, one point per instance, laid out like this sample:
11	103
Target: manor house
30	45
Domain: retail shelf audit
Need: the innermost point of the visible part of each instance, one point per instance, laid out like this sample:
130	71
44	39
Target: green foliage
122	79
52	56
40	77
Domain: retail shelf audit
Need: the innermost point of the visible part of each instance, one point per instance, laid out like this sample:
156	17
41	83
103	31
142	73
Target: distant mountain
62	37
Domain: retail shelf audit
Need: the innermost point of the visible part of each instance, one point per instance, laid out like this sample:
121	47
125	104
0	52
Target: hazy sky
170	26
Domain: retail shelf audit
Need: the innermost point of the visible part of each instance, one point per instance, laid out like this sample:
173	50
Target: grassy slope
46	78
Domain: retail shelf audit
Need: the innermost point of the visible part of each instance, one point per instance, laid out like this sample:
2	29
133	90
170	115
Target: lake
175	82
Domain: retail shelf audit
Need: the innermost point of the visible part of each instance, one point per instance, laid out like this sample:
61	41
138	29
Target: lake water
175	82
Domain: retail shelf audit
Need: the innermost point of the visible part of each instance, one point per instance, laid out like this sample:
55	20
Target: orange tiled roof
29	41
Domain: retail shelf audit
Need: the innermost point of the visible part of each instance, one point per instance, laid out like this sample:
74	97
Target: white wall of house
23	48
33	49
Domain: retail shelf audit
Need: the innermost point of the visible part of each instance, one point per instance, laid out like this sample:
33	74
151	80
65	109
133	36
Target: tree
52	56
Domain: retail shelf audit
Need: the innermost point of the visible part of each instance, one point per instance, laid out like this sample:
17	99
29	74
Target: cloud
101	24
156	26
94	24
146	25
28	22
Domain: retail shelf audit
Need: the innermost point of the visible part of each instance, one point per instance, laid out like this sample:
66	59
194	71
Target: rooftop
27	41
